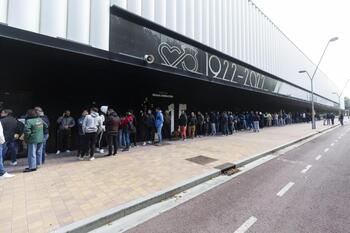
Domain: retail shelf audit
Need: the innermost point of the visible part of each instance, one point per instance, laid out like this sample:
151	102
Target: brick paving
66	190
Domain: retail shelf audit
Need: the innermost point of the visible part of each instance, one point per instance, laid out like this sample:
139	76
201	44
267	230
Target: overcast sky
310	24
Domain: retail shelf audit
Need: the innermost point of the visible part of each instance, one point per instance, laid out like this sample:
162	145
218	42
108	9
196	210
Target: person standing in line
341	119
212	119
167	125
192	122
3	173
142	127
332	118
127	125
81	135
46	120
256	120
112	130
224	123
231	125
11	127
269	119
200	124
149	127
64	133
183	125
101	131
34	137
91	125
159	125
133	133
206	124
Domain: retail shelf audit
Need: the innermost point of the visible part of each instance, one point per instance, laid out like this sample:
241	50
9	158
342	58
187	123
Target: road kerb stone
113	214
123	210
252	158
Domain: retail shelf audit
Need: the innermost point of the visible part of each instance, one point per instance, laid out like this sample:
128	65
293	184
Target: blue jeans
159	133
2	169
121	138
35	152
126	138
46	137
256	126
225	129
11	146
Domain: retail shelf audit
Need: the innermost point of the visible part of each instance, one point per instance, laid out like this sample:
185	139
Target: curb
252	158
121	211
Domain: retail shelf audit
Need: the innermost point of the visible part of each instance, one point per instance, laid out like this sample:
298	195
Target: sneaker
92	158
29	169
81	158
14	163
6	175
102	151
67	151
58	152
144	144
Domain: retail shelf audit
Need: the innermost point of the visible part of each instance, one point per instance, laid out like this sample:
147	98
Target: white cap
104	109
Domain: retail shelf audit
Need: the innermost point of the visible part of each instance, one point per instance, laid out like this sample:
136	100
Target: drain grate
202	160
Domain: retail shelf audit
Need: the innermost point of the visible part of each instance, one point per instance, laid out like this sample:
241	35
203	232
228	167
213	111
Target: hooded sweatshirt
92	123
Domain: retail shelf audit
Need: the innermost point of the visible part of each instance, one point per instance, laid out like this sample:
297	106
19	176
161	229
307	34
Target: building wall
235	27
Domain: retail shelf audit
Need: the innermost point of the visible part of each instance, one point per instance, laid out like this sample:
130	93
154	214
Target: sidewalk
66	190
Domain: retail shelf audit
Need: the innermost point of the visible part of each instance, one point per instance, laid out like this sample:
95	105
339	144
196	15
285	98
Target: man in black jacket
112	130
11	128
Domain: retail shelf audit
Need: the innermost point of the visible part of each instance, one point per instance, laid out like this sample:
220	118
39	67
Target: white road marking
245	226
306	169
332	144
326	150
285	189
318	157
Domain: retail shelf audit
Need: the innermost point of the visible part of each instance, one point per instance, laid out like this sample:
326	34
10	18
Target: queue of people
32	129
98	126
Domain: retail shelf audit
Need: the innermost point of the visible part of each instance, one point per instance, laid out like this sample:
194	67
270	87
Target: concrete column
24	14
3	11
147	9
99	24
53	18
160	11
79	21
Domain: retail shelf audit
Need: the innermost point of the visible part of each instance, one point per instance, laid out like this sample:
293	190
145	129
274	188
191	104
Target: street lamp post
312	98
341	93
312	83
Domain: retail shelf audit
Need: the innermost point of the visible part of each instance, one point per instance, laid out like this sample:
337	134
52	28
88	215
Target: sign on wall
127	37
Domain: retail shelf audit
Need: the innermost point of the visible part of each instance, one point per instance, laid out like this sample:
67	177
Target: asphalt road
305	190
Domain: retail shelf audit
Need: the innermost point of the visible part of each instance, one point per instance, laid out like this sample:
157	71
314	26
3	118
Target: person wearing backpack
91	125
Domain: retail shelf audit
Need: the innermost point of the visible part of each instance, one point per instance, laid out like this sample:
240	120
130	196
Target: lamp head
302	71
333	39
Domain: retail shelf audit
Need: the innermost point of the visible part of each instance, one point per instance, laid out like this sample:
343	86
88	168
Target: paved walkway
66	190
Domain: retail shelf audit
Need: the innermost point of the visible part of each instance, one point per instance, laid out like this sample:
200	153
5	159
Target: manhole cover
202	160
